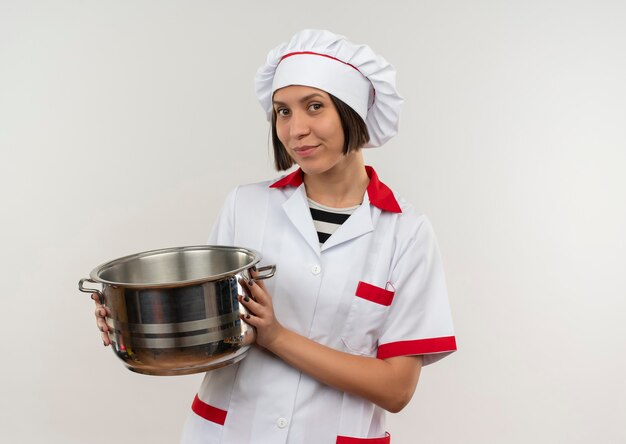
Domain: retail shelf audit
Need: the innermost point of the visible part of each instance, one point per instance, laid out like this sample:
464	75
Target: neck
342	186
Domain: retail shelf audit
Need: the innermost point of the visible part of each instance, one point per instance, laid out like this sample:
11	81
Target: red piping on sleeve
208	412
348	440
417	347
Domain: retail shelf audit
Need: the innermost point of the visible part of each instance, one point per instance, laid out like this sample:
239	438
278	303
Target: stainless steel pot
176	311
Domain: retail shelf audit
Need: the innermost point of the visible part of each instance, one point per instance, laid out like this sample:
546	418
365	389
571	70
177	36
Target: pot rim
95	273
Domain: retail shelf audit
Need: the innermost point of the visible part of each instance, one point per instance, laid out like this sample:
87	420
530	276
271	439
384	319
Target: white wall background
123	124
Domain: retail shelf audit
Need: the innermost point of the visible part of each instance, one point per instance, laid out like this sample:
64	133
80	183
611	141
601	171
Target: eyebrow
304	99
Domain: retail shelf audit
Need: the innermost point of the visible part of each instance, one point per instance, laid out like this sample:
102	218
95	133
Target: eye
282	112
315	106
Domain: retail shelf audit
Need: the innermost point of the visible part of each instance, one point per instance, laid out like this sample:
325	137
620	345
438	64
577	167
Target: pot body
176	311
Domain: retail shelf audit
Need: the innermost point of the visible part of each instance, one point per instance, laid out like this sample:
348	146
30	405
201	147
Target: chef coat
375	288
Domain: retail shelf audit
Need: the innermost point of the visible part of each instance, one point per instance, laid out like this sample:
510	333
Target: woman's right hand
101	313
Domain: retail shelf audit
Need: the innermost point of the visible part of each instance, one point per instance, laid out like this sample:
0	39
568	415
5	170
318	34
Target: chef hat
353	73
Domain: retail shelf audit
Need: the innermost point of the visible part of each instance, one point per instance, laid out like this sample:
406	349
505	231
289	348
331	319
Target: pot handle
271	271
270	268
84	289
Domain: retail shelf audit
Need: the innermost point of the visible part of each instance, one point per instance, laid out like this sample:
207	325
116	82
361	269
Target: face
308	125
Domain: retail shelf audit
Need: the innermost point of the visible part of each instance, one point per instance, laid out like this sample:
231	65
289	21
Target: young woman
359	302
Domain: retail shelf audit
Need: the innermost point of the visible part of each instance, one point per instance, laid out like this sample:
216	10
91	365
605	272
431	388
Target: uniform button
316	269
281	423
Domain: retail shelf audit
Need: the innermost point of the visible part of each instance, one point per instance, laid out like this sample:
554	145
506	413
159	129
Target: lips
305	150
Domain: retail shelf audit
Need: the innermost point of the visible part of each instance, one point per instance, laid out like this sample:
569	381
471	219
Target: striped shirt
327	219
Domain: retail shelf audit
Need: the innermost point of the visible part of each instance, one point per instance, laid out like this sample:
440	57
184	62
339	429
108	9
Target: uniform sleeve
223	231
419	320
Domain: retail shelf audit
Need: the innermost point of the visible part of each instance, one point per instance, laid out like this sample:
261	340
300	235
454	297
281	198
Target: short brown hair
355	134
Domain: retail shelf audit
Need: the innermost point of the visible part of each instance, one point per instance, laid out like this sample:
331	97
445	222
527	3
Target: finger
250	289
257	292
106	341
259	282
261	285
250	320
251	305
102	325
100	312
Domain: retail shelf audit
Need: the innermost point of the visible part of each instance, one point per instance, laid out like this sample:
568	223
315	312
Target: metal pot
175	311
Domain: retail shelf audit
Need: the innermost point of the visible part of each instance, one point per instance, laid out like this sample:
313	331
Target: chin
313	170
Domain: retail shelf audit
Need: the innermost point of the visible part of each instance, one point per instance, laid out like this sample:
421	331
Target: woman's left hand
261	316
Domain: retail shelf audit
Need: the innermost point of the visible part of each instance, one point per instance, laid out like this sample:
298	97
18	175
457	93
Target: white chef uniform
375	288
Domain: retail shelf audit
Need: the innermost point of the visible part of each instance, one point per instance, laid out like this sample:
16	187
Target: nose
298	125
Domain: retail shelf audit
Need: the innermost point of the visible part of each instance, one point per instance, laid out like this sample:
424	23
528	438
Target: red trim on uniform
417	347
348	440
294	179
208	412
374	294
380	195
318	54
